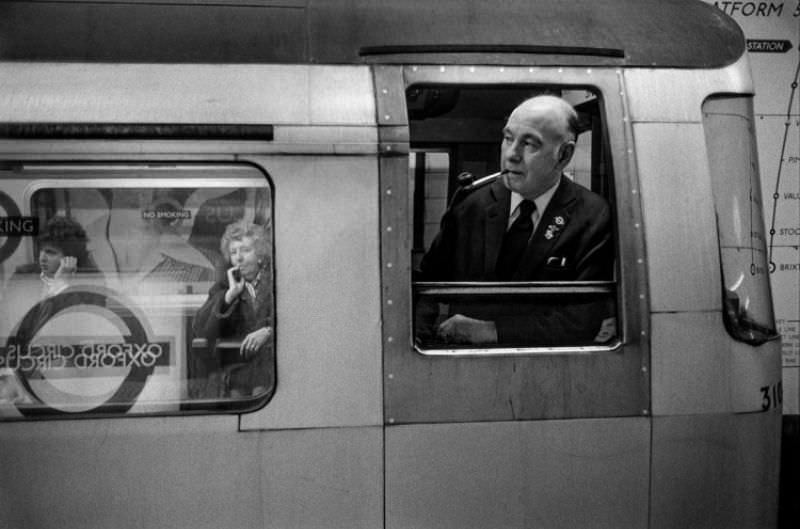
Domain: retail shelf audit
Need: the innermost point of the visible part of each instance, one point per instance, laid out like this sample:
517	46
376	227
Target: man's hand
460	329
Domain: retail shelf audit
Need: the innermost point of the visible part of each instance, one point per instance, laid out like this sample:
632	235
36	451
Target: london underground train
136	138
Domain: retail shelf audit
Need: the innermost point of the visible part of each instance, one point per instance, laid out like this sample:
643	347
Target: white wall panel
327	294
682	255
691	364
184	93
197	473
653	95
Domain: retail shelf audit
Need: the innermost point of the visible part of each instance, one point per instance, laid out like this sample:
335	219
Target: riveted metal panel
554	474
681	233
543	384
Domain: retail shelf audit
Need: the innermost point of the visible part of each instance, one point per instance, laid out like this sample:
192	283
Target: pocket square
557	262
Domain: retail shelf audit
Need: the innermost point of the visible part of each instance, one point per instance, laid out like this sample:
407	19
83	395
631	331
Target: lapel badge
553	229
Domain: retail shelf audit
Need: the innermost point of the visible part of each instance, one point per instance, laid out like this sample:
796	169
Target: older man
531	224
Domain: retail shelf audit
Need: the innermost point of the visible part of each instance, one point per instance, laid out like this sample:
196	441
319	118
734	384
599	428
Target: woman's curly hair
241	229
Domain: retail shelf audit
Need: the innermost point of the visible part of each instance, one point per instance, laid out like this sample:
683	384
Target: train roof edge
631	33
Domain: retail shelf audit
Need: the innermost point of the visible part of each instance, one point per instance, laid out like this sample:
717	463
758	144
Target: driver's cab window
514	233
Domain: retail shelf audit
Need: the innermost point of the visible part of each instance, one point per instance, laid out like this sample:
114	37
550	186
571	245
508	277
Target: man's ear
565	153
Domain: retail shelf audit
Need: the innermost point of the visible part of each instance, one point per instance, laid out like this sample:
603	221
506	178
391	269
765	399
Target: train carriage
340	129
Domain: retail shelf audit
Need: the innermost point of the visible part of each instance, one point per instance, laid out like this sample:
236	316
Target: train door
460	416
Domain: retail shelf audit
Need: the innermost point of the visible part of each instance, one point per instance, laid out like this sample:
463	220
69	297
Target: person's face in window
50	259
243	254
532	151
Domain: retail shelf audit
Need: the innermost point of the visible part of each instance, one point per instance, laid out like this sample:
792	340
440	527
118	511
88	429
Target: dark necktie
515	241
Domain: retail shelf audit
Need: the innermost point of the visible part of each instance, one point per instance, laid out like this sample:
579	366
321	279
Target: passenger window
474	287
141	289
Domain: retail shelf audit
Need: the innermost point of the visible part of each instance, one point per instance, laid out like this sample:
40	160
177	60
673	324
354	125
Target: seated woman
238	314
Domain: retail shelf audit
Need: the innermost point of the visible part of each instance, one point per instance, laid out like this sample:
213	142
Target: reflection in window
99	310
563	292
733	161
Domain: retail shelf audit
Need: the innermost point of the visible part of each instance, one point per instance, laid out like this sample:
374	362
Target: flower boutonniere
554	228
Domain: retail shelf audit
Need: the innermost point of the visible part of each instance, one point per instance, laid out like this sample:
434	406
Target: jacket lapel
497	211
547	231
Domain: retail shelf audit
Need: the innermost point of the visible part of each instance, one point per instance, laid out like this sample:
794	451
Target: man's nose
513	151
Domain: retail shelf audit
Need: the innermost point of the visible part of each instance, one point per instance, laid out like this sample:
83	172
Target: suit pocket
558	269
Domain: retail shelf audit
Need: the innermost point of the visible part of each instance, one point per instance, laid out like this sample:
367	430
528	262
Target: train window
136	289
560	291
733	162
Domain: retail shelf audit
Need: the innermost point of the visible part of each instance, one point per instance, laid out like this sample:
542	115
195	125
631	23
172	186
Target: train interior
455	136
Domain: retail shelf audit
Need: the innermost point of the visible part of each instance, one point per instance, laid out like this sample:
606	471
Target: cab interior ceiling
466	114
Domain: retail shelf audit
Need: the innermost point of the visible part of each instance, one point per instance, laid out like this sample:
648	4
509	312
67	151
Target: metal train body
330	119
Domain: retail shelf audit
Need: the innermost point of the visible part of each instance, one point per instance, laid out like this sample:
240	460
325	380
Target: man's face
50	259
531	151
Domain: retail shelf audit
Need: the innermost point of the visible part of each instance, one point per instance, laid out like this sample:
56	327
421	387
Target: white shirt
541	204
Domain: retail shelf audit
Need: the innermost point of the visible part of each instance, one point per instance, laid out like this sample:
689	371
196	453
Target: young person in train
37	291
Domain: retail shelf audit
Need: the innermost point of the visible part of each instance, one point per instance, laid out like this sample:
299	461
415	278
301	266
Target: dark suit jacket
572	242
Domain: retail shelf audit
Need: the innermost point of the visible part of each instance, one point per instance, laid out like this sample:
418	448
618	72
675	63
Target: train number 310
771	396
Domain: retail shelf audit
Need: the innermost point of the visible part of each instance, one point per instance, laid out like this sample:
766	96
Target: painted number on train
771	396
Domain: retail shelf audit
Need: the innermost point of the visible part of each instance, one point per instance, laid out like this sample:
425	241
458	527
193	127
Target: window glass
120	300
562	293
733	162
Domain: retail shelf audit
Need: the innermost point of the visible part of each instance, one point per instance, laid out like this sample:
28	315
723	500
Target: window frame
445	388
532	288
186	174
